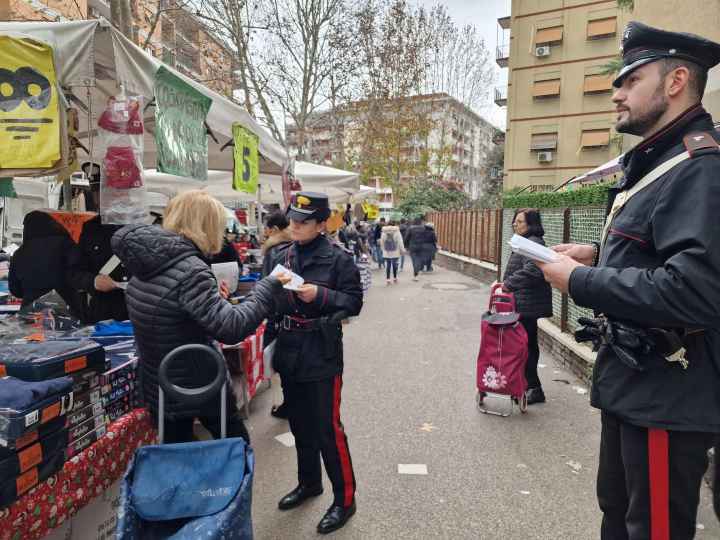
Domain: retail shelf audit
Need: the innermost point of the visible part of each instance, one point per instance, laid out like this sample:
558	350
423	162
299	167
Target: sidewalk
409	398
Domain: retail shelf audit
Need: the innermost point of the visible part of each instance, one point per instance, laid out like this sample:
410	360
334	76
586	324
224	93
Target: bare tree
458	61
162	7
307	57
238	23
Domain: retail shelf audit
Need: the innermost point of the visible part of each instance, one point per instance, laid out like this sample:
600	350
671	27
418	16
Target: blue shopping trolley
190	490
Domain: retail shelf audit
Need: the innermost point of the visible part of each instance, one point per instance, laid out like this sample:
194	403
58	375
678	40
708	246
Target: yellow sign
29	113
247	162
372	211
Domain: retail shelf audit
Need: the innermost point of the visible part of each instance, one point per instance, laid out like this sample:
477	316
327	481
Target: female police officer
309	356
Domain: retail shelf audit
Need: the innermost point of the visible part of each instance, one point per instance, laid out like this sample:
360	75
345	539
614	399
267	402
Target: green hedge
586	196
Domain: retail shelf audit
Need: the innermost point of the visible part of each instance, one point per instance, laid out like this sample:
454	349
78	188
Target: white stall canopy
339	185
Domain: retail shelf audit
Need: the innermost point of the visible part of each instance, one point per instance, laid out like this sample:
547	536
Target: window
595	138
544	141
602	28
553	34
595	84
542	89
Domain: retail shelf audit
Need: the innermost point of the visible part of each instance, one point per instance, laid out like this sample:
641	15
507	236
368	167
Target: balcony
501	95
502	55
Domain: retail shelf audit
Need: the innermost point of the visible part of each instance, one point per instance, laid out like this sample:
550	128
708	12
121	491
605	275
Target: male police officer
657	374
309	356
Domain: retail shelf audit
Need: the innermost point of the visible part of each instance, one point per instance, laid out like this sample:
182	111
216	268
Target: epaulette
700	143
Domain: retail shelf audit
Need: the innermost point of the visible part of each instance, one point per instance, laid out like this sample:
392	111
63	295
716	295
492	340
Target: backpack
390	244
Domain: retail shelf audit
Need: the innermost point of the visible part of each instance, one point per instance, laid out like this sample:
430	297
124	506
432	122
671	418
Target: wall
572	111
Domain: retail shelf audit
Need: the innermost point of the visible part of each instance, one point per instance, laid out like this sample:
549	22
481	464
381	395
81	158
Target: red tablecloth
84	477
250	360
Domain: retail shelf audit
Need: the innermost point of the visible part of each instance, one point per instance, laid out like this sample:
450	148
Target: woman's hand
224	290
284	278
307	292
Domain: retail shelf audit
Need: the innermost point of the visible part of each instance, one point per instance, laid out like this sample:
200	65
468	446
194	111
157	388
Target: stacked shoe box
46	389
33	436
119	383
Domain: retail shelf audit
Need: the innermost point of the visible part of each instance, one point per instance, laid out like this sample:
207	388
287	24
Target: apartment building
459	142
179	38
696	16
559	114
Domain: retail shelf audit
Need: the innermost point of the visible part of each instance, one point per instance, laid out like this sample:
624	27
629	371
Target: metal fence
581	225
474	234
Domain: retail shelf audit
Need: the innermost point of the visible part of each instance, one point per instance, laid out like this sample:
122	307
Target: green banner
180	132
247	167
7	188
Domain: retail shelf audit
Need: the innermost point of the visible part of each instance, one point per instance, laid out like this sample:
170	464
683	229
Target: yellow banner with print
372	211
29	111
247	161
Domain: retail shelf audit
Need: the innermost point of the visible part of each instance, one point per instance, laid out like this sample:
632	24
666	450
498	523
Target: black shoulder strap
700	143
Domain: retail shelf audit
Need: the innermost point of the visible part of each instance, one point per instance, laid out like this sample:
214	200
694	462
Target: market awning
338	184
93	56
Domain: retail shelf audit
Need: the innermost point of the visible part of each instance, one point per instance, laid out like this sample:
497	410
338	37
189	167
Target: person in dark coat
404	227
97	276
533	295
39	264
309	356
654	279
173	299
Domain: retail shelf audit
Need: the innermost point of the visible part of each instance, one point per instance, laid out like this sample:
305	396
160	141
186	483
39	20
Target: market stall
81	92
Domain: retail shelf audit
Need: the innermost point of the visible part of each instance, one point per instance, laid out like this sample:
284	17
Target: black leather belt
298	324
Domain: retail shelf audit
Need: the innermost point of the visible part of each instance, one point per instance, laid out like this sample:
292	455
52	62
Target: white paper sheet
528	248
228	272
296	280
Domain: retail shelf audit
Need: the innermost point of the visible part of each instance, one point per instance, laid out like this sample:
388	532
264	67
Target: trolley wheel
479	397
523	404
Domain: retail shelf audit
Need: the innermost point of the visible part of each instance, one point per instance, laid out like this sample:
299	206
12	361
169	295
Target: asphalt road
409	398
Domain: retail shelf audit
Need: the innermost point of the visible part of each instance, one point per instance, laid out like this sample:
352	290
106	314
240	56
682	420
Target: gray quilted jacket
524	279
173	300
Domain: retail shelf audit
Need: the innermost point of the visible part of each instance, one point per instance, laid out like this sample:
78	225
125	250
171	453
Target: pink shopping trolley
503	354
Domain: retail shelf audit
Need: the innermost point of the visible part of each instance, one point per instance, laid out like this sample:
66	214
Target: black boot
335	518
280	411
298	496
535	395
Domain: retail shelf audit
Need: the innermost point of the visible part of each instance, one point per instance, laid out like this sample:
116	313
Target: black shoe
298	496
280	411
535	395
335	518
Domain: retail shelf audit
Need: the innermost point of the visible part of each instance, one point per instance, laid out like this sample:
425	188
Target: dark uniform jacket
86	259
533	295
173	300
660	268
312	356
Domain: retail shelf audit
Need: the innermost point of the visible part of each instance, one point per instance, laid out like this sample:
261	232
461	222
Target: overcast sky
484	15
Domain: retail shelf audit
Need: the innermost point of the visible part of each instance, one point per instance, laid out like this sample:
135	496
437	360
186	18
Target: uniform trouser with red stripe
314	415
649	481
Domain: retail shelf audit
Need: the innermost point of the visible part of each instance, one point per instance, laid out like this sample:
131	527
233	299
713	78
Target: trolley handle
501	298
192	396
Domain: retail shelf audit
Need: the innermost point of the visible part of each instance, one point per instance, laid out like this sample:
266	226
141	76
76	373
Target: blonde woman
174	299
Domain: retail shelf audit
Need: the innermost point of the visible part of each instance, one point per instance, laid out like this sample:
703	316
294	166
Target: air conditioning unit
542	51
545	157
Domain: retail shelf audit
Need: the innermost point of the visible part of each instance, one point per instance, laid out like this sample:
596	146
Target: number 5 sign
246	170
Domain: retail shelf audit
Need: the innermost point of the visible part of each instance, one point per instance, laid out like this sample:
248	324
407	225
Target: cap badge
672	51
302	201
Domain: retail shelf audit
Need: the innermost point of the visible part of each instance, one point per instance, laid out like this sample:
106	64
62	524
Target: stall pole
67	194
260	227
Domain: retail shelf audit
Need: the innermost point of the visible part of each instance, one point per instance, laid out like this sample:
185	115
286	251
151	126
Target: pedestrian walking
431	240
654	279
174	299
309	356
533	295
377	232
404	227
392	245
415	245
